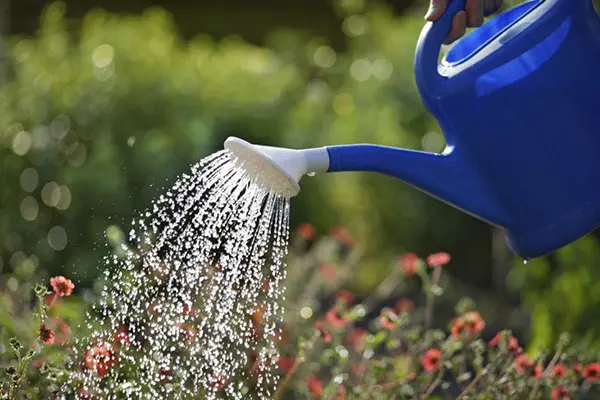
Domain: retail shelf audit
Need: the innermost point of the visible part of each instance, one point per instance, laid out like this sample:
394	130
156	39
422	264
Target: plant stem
545	373
395	384
23	363
299	360
472	383
434	384
437	271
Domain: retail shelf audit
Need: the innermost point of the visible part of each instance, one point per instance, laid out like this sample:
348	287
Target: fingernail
433	8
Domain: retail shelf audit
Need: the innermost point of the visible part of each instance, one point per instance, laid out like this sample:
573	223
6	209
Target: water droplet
182	304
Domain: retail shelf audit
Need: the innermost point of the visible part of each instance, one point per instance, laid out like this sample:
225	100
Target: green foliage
333	344
36	330
94	120
565	293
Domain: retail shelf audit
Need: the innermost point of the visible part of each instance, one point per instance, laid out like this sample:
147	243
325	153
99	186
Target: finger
491	6
459	26
436	9
474	10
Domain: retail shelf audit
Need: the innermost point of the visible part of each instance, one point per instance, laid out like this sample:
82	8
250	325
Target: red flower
341	393
340	234
62	286
409	263
591	373
577	368
253	361
83	395
522	363
265	286
188	310
190	332
438	259
165	374
326	337
346	296
121	336
470	324
474	324
315	385
259	314
217	381
559	370
513	343
64	331
307	231
334	317
560	393
100	358
286	363
329	272
46	334
457	328
37	363
386	320
537	371
431	360
356	338
404	305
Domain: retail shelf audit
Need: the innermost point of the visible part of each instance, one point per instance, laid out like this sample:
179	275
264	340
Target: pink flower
46	334
121	336
62	286
431	360
438	259
560	393
286	363
409	263
385	320
513	343
404	305
346	296
100	358
559	370
334	317
356	338
591	373
315	386
307	231
322	332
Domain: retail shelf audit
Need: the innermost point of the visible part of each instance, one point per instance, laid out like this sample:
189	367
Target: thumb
436	9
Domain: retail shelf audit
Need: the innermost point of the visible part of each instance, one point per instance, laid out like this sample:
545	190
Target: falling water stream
191	308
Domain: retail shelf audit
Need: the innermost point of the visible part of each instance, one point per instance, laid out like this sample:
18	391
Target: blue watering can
518	100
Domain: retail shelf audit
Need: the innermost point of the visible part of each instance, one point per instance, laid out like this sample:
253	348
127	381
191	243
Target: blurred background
104	103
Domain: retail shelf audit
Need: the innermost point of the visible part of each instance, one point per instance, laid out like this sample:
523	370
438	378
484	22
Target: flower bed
334	345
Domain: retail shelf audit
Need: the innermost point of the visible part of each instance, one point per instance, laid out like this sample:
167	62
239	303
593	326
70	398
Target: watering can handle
428	50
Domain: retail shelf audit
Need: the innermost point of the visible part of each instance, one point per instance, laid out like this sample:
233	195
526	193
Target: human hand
471	16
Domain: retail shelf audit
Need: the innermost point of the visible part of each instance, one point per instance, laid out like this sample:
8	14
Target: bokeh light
29	208
57	238
29	179
51	194
22	143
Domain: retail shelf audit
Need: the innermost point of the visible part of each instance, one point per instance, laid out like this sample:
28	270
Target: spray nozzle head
276	169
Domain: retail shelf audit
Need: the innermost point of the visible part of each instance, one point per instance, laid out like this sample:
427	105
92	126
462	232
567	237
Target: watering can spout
449	176
277	169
